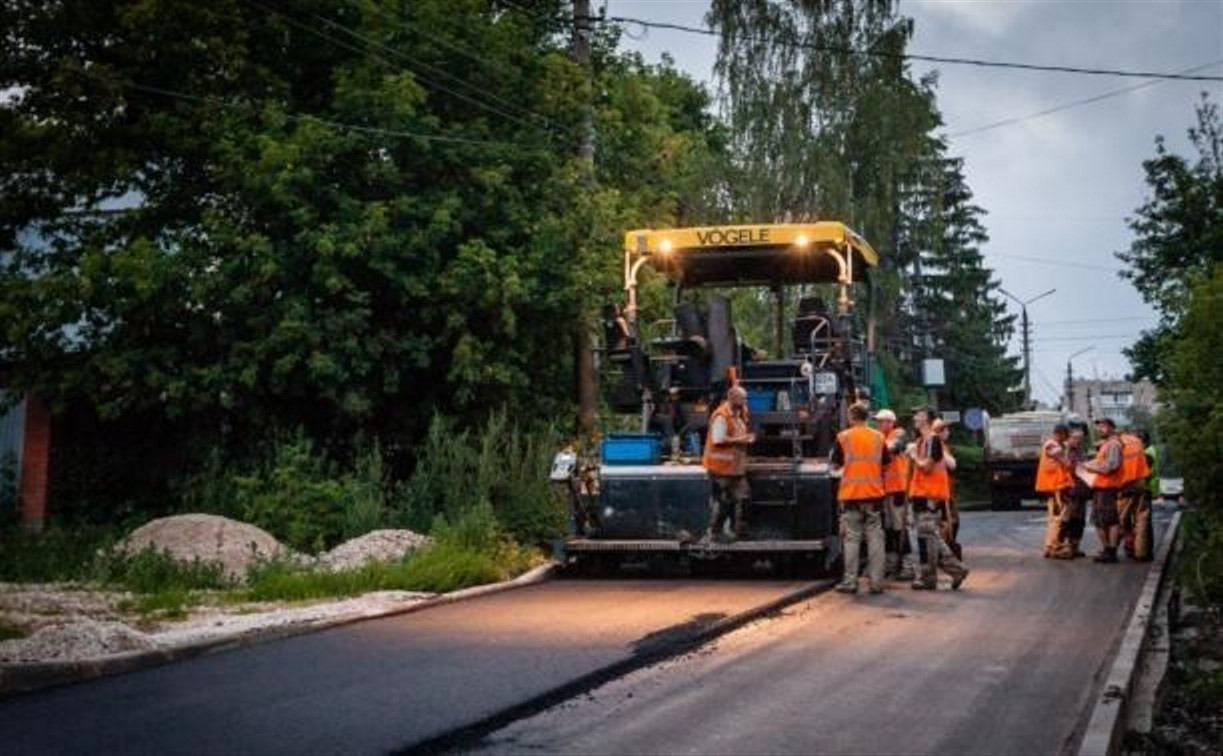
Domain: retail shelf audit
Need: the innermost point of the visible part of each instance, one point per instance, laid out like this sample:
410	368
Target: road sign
974	418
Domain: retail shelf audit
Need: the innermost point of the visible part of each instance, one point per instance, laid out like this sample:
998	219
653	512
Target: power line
926	58
1090	320
1053	261
1073	104
420	77
1091	338
413	61
397	133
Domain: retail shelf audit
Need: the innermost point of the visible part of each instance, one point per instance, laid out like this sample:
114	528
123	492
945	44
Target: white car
1172	488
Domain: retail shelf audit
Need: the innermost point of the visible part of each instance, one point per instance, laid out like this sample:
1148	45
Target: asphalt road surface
380	685
1008	665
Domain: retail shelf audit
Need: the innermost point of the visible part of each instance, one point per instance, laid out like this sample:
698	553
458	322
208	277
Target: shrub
499	466
52	556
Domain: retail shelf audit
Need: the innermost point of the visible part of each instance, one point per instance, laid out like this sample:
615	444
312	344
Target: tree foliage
819	130
1178	235
236	217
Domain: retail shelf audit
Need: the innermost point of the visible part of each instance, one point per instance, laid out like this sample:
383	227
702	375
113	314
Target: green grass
437	569
9	632
53	556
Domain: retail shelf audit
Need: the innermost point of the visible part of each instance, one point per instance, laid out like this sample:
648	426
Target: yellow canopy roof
755	254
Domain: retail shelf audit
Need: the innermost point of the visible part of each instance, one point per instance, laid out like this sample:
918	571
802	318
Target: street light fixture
1027	342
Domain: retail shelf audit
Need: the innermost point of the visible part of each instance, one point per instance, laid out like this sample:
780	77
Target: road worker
1079	494
1106	467
1054	480
1153	463
860	455
897	519
929	490
726	460
1133	509
949	522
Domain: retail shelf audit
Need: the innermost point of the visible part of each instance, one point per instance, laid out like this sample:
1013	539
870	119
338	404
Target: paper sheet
1085	475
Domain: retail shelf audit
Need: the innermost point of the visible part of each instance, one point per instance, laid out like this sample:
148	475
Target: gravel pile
76	639
208	538
375	546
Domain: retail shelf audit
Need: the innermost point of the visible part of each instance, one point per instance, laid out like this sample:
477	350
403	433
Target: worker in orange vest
1133	507
859	456
897	519
929	492
725	459
1054	479
1108	479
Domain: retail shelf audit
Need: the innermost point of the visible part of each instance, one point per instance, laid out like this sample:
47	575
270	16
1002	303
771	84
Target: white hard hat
885	414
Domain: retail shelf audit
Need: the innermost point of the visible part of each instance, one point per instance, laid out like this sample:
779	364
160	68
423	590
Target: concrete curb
464	737
16	679
1106	728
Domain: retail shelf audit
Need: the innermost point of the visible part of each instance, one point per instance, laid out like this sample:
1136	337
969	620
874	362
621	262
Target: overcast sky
1057	187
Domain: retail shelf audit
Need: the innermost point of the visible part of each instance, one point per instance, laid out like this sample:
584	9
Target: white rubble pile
375	546
76	639
208	538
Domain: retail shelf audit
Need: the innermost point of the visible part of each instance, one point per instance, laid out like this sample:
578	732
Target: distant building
1120	400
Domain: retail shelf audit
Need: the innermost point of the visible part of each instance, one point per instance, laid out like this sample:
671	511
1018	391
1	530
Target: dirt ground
1189	719
64	622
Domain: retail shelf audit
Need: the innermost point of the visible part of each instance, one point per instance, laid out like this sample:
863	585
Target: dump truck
1012	453
647	495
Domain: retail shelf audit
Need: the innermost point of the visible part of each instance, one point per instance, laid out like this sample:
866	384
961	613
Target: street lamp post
1027	342
1070	377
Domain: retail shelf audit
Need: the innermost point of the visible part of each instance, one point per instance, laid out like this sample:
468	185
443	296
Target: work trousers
730	495
897	522
935	553
1055	523
859	518
1076	517
1134	509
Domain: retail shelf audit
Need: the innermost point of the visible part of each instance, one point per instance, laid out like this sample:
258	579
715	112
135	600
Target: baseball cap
885	414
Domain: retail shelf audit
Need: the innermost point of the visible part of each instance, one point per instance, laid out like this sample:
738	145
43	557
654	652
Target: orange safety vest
935	484
896	474
862	475
1114	479
1134	465
726	459
1052	475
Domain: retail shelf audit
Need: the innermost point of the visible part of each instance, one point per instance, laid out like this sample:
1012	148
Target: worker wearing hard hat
897	519
726	460
859	456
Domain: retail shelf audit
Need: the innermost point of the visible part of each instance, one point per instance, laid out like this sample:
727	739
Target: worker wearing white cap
897	520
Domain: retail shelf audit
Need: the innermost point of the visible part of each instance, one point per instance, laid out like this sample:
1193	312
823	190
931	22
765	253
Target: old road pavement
1004	666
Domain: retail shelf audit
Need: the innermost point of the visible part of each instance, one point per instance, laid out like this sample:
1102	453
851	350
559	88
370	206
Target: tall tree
824	126
1178	234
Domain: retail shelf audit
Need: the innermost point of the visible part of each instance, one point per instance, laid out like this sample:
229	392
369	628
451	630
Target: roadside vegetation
1176	263
481	494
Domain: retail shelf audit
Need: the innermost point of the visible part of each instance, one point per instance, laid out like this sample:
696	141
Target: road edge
1106	728
468	735
22	678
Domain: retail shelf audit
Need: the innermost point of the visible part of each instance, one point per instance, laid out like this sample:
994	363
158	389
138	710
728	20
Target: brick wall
35	464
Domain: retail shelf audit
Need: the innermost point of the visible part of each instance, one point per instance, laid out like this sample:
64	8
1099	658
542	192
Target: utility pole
583	357
1027	342
1070	378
